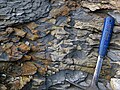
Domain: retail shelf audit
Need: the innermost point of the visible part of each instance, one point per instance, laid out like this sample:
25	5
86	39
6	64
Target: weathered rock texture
21	11
60	49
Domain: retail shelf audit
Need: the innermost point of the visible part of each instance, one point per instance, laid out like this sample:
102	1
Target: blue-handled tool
104	43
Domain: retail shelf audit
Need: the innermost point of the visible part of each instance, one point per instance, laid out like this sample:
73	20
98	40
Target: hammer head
115	14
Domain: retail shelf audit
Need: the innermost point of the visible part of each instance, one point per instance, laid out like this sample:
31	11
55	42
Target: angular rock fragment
32	37
19	32
24	47
81	14
114	55
26	57
4	56
28	68
32	25
65	75
31	33
116	29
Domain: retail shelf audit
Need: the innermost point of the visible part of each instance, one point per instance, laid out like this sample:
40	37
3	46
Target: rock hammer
104	43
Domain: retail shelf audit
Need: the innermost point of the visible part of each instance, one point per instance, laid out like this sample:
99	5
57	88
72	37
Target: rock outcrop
58	48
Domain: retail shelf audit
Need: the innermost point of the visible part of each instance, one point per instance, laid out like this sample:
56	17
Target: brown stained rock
64	10
32	25
18	83
32	36
28	68
42	70
72	4
21	69
19	32
45	62
34	48
15	85
26	57
24	48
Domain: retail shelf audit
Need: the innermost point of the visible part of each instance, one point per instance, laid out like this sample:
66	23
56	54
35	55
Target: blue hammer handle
106	35
104	43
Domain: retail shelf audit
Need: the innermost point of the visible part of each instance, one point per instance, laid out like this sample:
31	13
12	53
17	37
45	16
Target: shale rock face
21	11
58	47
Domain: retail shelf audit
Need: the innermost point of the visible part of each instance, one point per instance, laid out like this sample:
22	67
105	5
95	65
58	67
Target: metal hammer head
115	14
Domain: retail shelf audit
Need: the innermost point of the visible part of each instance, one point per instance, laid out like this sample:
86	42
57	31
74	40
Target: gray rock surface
115	83
22	11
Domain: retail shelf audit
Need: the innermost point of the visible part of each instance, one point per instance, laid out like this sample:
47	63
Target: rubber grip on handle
106	35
